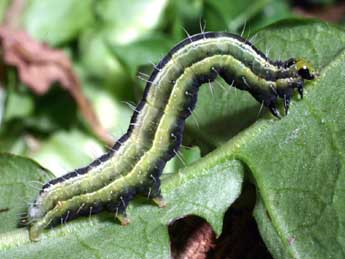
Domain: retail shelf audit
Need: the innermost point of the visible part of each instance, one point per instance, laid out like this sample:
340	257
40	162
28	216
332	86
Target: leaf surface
297	163
191	191
55	21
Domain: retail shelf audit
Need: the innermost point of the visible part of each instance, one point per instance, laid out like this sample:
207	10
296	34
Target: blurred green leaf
2	104
98	61
57	21
3	8
324	2
273	12
147	50
310	39
186	17
224	15
65	151
18	105
50	115
128	22
12	137
113	114
186	156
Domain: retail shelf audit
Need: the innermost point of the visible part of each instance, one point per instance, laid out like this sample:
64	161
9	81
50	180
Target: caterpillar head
305	69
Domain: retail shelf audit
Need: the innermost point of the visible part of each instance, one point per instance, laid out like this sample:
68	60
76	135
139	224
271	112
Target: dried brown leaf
332	13
40	66
191	238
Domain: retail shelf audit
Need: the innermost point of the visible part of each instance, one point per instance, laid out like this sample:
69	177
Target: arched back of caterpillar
135	162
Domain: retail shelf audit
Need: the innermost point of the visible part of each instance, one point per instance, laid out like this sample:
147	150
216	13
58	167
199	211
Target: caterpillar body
134	164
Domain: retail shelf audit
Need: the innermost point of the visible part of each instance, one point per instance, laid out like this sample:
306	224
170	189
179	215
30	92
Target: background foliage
296	164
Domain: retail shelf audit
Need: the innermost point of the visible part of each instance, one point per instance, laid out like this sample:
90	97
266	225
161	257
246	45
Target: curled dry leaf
39	66
191	238
332	13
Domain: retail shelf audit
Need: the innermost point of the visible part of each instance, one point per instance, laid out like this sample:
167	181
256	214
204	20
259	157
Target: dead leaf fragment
191	238
40	66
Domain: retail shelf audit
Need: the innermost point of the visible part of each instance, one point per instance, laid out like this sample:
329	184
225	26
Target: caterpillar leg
119	208
286	104
35	232
274	110
122	218
159	200
154	192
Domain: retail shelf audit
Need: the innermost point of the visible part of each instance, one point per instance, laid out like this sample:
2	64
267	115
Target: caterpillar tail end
34	233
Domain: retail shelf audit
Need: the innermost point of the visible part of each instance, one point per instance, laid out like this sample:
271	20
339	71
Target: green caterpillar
135	163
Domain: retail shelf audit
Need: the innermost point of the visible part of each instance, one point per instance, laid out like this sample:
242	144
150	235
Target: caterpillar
134	164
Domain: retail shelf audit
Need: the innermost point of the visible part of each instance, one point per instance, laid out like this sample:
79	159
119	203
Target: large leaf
191	191
299	171
297	163
301	178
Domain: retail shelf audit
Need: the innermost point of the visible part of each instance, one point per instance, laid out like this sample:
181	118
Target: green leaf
66	150
18	105
116	14
50	115
186	156
148	50
322	2
297	163
20	180
191	191
316	41
3	8
112	114
185	17
299	174
57	21
2	105
231	15
12	139
301	178
273	12
98	60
